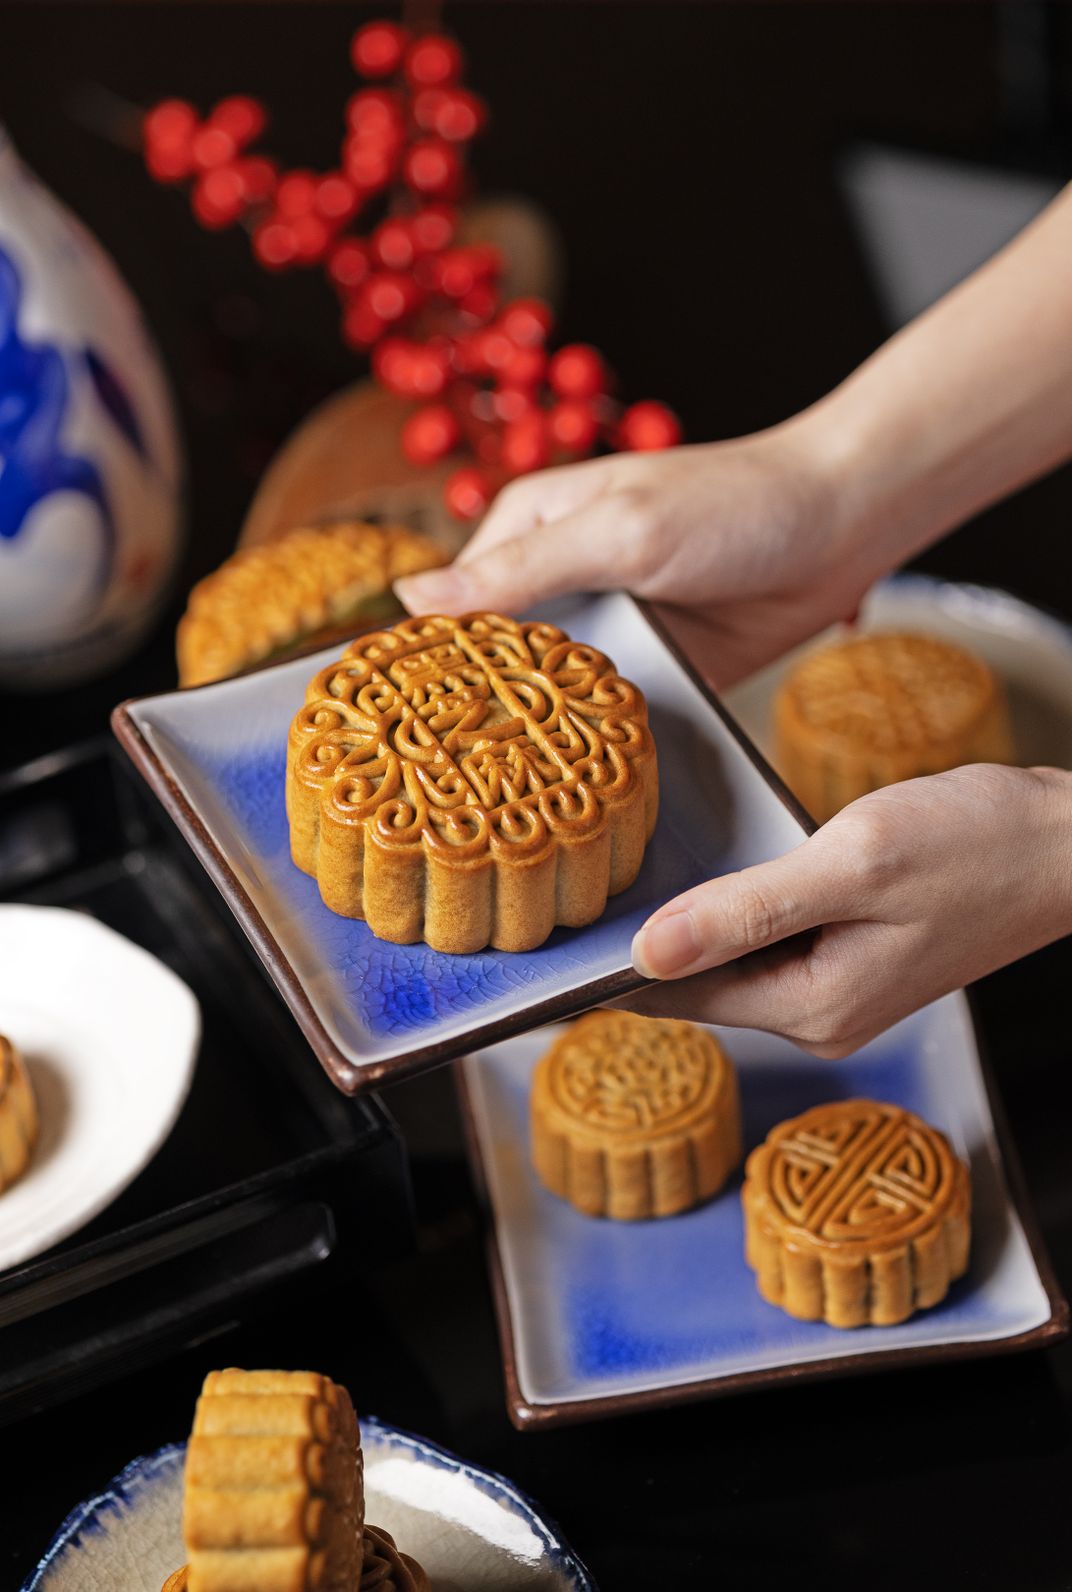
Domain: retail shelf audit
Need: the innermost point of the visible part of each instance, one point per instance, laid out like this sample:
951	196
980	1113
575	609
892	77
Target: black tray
220	1219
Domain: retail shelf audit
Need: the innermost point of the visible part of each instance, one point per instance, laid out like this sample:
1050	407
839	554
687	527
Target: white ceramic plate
599	1317
216	757
110	1039
472	1530
1030	652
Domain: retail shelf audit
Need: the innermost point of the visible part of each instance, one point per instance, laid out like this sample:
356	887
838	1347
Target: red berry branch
428	310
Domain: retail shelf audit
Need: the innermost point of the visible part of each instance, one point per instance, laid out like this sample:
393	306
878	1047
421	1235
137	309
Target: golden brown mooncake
634	1116
383	1568
866	712
856	1213
470	782
273	1496
18	1115
267	600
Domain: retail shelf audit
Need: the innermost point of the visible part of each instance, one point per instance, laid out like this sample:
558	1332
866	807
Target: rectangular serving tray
215	758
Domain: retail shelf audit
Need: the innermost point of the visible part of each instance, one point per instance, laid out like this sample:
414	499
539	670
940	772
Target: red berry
368	165
171	123
169	162
275	245
512	403
648	426
433	62
390	295
361	326
577	371
391	363
457	115
335	199
377	49
430	434
348	265
392	244
432	228
219	197
375	110
296	193
312	237
432	167
426	106
526	321
467	493
489	351
524	367
242	116
524	444
429	371
572	426
213	146
480	303
258	178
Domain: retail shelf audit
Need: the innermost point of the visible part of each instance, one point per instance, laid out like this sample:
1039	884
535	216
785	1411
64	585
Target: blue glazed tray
216	758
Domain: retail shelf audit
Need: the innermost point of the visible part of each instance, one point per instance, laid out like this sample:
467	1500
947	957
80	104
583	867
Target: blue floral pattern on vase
34	397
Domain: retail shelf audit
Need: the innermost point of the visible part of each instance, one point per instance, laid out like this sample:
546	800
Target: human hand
744	539
906	894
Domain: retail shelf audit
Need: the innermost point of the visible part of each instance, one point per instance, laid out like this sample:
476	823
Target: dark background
687	154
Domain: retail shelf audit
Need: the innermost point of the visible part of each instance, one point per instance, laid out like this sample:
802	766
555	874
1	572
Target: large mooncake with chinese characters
866	712
18	1115
634	1117
856	1213
471	782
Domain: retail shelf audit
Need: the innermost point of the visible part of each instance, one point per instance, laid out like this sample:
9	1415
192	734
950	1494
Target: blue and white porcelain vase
90	469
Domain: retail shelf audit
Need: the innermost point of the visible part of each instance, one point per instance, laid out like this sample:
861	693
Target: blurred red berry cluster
428	309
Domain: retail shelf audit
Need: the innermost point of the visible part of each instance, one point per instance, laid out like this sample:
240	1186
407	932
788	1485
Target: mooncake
18	1115
866	712
383	1568
856	1212
266	601
634	1117
470	782
273	1495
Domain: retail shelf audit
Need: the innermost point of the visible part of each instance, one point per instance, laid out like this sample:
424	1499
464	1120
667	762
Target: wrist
1054	794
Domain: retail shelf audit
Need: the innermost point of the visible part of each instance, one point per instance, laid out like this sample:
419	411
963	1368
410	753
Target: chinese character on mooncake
634	1117
868	712
855	1213
471	782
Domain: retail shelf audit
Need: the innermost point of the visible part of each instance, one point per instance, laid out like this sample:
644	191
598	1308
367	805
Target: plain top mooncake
856	1212
18	1115
872	710
471	782
633	1117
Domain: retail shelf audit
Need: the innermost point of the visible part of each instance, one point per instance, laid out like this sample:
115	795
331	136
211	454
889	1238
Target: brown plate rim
354	1077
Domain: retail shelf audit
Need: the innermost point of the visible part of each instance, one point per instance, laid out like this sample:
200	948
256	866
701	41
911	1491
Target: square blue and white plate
215	756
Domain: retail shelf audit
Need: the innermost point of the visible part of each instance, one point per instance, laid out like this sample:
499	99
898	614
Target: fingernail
667	946
448	591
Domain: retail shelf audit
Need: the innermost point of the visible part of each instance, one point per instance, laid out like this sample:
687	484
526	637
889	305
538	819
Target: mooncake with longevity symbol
471	782
856	1213
633	1117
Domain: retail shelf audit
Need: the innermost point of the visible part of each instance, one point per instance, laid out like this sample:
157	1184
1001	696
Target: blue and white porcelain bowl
89	455
470	1529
